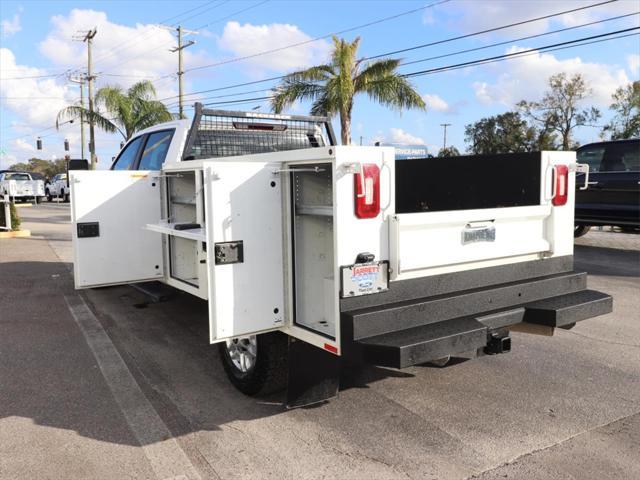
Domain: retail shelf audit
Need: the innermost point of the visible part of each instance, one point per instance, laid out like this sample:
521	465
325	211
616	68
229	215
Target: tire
66	198
268	373
581	230
37	200
628	229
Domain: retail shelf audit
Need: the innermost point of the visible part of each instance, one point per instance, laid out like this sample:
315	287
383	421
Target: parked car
21	186
613	196
58	188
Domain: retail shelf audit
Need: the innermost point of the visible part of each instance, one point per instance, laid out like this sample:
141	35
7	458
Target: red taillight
561	185
367	191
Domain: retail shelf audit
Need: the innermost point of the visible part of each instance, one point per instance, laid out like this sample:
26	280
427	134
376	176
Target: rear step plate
568	309
421	344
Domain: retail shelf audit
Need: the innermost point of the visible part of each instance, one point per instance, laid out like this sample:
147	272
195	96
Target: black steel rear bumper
428	318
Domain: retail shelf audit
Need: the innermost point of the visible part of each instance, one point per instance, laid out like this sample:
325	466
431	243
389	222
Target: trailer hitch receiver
498	342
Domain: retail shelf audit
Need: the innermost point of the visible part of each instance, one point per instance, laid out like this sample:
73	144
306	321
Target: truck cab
310	254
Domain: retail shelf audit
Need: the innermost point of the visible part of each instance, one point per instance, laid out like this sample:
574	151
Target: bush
15	219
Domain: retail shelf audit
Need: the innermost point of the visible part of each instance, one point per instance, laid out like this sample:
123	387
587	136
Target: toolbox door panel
244	248
109	211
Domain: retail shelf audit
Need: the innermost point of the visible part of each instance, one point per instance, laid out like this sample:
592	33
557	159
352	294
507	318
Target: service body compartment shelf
169	229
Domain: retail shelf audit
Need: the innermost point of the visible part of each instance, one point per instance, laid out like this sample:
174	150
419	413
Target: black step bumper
417	330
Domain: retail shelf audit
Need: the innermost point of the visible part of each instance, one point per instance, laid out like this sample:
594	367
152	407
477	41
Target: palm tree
126	112
332	87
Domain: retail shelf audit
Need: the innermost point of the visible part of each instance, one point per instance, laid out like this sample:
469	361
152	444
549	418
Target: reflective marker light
561	185
368	201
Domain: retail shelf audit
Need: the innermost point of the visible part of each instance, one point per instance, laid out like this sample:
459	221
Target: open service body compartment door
109	211
245	244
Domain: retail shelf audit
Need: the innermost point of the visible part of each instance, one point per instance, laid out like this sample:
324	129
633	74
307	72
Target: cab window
155	150
621	157
128	156
591	156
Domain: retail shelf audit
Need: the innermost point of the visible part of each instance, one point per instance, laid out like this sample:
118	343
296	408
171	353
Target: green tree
560	109
48	168
626	106
126	112
505	133
332	87
449	151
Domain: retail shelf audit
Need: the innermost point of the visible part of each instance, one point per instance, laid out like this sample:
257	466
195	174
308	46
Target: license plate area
473	234
364	278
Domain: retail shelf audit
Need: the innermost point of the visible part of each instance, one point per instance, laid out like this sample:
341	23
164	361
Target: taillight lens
561	179
367	201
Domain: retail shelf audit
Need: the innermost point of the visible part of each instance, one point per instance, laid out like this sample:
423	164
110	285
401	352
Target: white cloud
248	39
35	100
10	27
434	102
525	78
480	15
400	137
122	56
633	61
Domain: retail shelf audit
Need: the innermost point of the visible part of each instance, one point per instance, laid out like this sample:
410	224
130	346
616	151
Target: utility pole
179	49
445	125
88	38
80	81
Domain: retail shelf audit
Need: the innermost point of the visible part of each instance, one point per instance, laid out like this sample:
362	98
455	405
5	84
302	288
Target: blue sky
38	54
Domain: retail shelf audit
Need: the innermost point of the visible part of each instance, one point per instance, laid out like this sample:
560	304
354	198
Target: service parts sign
365	278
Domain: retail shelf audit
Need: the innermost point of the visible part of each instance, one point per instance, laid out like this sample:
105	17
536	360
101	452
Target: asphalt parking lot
105	384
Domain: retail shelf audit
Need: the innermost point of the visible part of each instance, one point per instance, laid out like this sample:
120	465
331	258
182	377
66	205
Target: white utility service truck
58	188
311	254
21	186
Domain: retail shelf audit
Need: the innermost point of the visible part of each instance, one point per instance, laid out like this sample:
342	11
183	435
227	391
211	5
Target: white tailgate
242	205
421	241
122	203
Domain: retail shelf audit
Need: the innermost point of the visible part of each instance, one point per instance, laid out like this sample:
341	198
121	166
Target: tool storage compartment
313	247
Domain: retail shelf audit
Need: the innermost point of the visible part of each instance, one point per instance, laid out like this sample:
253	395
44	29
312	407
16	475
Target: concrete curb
20	205
15	233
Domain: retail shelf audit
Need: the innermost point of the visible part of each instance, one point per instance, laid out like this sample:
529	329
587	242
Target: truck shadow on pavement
607	261
50	376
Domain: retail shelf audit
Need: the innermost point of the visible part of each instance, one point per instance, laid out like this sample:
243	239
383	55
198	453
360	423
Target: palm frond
375	71
289	91
395	92
75	111
143	90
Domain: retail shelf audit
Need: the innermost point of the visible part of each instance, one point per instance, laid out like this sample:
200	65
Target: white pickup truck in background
21	186
58	188
311	254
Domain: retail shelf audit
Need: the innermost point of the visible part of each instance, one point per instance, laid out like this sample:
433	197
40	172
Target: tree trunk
345	128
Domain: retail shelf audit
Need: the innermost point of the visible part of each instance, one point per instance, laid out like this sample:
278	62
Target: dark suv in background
613	196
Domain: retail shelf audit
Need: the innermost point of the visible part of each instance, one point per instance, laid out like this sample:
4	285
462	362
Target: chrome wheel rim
243	352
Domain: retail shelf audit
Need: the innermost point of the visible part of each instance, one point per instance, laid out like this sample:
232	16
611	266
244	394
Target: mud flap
314	374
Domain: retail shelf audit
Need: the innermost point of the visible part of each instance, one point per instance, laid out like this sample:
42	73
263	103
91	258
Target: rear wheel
257	364
66	198
581	230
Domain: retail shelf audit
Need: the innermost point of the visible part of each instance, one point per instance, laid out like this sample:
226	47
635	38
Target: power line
545	48
232	14
117	48
513	54
446	40
529	37
489	30
456	52
316	39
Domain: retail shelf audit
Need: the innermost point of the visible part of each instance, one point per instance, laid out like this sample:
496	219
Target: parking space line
165	455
